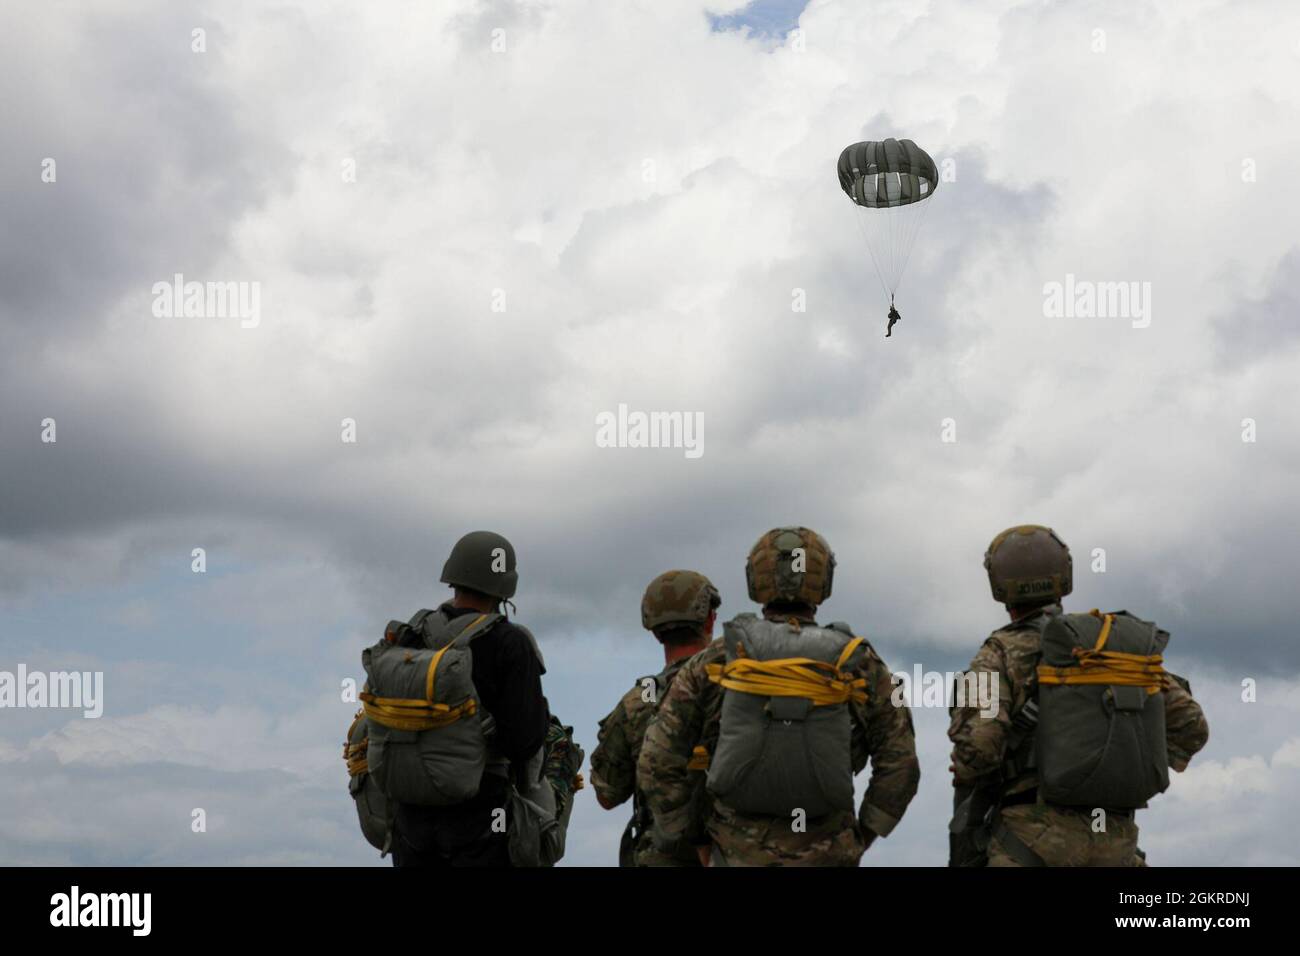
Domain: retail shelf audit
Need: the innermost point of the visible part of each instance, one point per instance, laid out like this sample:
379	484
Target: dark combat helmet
483	561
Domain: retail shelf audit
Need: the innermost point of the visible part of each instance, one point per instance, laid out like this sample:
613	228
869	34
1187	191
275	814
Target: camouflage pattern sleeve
978	737
891	744
613	762
663	774
1186	729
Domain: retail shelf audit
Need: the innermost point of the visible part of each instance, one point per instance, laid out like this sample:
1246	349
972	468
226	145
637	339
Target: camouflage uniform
678	608
613	764
1060	836
690	716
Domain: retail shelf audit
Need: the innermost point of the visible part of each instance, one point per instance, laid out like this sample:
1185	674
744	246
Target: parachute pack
422	737
785	736
1100	737
427	740
373	808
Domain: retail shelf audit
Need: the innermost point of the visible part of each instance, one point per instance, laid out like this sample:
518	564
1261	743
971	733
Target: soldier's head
481	570
1029	567
679	608
789	571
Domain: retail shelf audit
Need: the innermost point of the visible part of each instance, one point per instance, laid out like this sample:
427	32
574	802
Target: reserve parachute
889	182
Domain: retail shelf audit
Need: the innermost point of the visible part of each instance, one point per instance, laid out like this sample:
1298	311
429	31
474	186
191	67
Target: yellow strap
699	759
1106	622
822	683
356	758
401	714
433	664
849	648
428	678
1098	666
356	719
411	714
355	754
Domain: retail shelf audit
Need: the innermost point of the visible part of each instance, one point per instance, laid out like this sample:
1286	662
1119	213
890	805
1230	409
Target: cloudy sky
476	226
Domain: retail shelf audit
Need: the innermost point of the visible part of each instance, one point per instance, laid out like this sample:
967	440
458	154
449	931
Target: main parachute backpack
785	737
1100	739
427	740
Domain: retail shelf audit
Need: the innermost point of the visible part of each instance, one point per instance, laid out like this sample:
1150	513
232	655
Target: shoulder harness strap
475	627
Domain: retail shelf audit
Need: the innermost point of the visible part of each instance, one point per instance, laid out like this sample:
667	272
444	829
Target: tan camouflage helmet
677	599
1029	564
790	564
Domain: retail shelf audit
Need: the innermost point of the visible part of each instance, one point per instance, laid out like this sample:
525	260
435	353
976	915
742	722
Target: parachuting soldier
889	181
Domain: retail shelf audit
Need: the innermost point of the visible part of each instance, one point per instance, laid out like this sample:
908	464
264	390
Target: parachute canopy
895	172
889	181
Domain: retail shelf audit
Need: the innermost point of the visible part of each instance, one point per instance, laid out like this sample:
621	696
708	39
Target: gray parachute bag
1100	745
371	804
535	836
444	765
778	754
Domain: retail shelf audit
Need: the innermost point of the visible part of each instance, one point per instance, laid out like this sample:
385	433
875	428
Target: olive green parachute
889	181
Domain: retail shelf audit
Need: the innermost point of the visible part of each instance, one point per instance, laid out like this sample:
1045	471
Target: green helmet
678	598
482	561
774	572
1029	564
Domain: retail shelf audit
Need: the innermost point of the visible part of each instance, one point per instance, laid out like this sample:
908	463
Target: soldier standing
507	672
1131	720
679	608
785	712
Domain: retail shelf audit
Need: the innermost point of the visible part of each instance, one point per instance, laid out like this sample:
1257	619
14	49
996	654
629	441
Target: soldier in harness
1019	796
893	317
679	608
783	712
506	681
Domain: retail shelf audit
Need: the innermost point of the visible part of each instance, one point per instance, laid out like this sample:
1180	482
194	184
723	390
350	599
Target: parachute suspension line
890	235
888	213
860	215
918	221
904	230
885	180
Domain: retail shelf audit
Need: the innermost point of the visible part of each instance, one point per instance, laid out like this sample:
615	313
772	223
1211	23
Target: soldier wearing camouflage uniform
997	787
789	572
679	608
